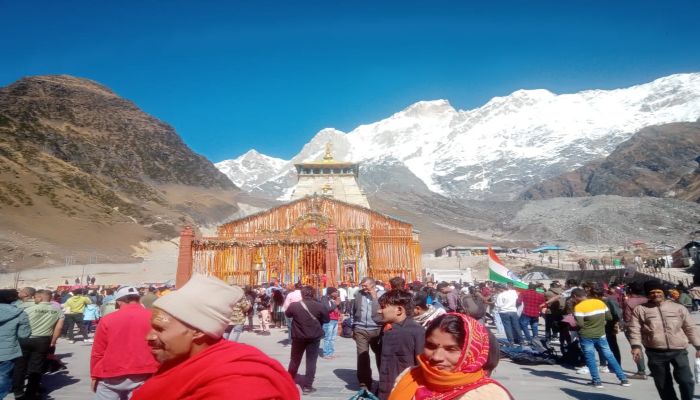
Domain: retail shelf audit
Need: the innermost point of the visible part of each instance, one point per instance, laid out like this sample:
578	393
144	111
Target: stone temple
329	178
325	235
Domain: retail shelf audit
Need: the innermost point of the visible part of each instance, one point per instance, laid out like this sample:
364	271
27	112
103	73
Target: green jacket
591	316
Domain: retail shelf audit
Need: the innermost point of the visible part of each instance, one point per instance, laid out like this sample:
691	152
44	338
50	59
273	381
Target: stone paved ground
336	378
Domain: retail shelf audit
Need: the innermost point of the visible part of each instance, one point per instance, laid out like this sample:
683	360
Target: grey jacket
364	311
14	324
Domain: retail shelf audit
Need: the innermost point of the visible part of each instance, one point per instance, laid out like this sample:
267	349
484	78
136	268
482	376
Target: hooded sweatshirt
14	324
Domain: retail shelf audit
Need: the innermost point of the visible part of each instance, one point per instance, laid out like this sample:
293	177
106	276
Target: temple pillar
184	258
332	256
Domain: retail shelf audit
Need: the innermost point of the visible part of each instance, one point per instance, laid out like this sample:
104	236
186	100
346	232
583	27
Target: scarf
425	382
430	314
222	371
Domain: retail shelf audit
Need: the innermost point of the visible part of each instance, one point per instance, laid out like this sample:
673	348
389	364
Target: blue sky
231	76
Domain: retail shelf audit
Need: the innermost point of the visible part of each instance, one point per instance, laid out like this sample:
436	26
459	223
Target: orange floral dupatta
427	383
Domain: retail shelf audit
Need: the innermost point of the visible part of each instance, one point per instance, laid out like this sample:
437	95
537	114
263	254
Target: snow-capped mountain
250	169
494	151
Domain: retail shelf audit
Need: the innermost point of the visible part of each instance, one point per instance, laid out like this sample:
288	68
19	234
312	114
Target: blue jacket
14	324
91	312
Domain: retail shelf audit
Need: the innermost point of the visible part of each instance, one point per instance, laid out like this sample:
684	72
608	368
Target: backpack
346	330
364	394
473	306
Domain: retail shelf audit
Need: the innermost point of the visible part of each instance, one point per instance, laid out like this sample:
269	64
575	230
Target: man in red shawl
195	362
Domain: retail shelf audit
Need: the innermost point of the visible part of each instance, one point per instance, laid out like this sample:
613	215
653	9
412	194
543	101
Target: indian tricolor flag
499	273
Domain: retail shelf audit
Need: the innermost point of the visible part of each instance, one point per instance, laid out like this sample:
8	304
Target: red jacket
531	301
120	347
223	371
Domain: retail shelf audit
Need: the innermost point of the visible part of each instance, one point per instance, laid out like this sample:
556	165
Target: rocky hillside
583	223
83	171
658	161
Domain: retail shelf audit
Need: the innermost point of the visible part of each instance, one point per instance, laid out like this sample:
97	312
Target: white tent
535	277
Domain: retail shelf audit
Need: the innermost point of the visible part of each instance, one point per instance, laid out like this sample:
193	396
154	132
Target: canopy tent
548	248
535	276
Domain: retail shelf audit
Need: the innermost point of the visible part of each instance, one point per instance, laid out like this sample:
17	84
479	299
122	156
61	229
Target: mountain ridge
657	161
501	148
75	155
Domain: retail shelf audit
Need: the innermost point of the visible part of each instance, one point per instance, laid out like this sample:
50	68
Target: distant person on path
366	330
554	313
196	363
308	317
237	320
694	292
331	303
450	297
262	305
591	316
530	317
402	338
664	328
109	303
636	297
91	314
14	325
292	297
455	364
75	306
121	360
508	312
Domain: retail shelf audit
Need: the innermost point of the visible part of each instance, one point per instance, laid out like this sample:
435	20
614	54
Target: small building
465	251
686	256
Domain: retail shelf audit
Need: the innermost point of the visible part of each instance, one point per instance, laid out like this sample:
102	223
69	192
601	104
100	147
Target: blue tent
548	248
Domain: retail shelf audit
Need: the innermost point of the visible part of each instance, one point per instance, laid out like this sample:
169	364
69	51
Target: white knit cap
204	302
126	291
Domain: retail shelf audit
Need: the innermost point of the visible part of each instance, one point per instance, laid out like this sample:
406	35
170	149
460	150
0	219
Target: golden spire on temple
328	156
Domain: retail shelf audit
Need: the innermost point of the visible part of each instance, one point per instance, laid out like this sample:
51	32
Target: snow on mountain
494	151
250	169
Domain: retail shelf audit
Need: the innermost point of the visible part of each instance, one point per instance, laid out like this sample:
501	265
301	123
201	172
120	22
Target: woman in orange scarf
452	365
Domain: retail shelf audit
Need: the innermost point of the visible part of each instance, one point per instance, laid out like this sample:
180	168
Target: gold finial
328	156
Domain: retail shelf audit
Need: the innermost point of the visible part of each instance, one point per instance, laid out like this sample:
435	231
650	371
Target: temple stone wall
339	187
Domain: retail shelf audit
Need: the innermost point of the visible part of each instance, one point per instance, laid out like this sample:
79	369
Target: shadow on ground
561	376
591	396
349	376
57	380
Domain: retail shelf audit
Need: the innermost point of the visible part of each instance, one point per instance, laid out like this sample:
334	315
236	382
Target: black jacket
304	326
401	344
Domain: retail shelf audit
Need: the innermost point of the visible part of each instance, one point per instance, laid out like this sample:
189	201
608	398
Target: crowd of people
428	340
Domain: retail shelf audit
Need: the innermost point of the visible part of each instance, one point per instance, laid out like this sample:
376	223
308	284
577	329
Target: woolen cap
204	302
652	285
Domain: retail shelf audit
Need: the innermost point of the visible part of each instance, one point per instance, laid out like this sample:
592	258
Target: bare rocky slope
658	161
582	223
87	175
